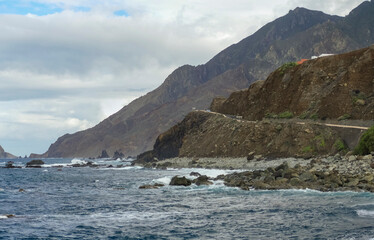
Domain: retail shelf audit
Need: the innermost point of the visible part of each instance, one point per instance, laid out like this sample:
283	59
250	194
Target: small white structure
322	55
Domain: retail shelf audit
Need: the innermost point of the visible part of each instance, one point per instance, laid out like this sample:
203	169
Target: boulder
202	180
250	156
180	181
308	177
37	163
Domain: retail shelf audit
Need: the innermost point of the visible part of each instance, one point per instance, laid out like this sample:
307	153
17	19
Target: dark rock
149	186
104	154
202	180
372	165
88	164
220	177
118	154
35	163
308	177
283	166
10	165
180	181
250	156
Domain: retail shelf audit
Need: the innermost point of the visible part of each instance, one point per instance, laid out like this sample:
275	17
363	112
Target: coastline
330	173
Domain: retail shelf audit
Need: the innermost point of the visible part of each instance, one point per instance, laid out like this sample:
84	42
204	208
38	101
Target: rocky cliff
207	134
4	154
269	118
333	87
299	34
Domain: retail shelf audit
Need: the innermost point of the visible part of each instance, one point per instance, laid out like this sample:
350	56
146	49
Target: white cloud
67	71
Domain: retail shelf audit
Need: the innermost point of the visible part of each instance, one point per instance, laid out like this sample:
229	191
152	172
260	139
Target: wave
365	213
78	161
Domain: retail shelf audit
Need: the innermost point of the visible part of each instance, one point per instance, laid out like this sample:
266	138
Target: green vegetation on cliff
366	144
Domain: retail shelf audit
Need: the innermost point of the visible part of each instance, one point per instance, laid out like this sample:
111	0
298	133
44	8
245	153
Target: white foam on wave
163	180
55	165
365	213
78	161
130	216
213	173
3	217
122	168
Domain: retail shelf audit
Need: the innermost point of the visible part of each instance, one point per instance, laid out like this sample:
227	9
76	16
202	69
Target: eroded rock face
333	87
205	134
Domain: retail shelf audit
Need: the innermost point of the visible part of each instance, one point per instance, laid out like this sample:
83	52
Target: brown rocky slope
299	34
325	88
328	87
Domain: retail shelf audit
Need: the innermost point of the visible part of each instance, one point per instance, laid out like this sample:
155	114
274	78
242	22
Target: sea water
62	202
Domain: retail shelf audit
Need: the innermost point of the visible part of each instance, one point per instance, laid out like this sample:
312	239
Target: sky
67	65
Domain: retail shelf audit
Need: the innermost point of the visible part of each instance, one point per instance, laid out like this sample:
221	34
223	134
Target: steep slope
299	34
4	154
340	85
325	88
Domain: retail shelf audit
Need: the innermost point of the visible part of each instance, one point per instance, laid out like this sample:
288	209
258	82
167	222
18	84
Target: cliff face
207	134
4	154
299	34
325	88
331	87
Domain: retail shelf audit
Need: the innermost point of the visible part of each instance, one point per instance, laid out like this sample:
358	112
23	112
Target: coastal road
239	119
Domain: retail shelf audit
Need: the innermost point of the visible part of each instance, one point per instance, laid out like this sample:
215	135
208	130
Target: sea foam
365	213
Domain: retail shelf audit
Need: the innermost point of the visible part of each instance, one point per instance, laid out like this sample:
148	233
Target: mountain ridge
135	127
4	154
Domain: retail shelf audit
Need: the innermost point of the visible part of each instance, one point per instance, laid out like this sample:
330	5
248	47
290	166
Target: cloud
66	65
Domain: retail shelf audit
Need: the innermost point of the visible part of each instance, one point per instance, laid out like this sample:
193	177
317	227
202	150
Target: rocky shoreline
332	173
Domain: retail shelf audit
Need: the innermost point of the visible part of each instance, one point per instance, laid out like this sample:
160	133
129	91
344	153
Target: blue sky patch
121	13
23	8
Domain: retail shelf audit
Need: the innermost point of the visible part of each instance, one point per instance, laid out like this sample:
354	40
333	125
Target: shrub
320	140
344	117
307	149
366	143
286	114
339	145
314	116
304	115
271	115
285	67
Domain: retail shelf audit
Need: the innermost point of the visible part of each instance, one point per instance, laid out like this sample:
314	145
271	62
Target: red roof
302	60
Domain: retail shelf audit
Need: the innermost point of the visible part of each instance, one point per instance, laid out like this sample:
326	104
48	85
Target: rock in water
104	154
180	181
35	164
202	180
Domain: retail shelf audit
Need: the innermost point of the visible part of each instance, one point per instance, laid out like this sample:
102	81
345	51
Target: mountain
326	89
301	33
4	154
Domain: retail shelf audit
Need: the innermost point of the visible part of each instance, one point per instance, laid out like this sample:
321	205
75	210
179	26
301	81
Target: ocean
106	203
